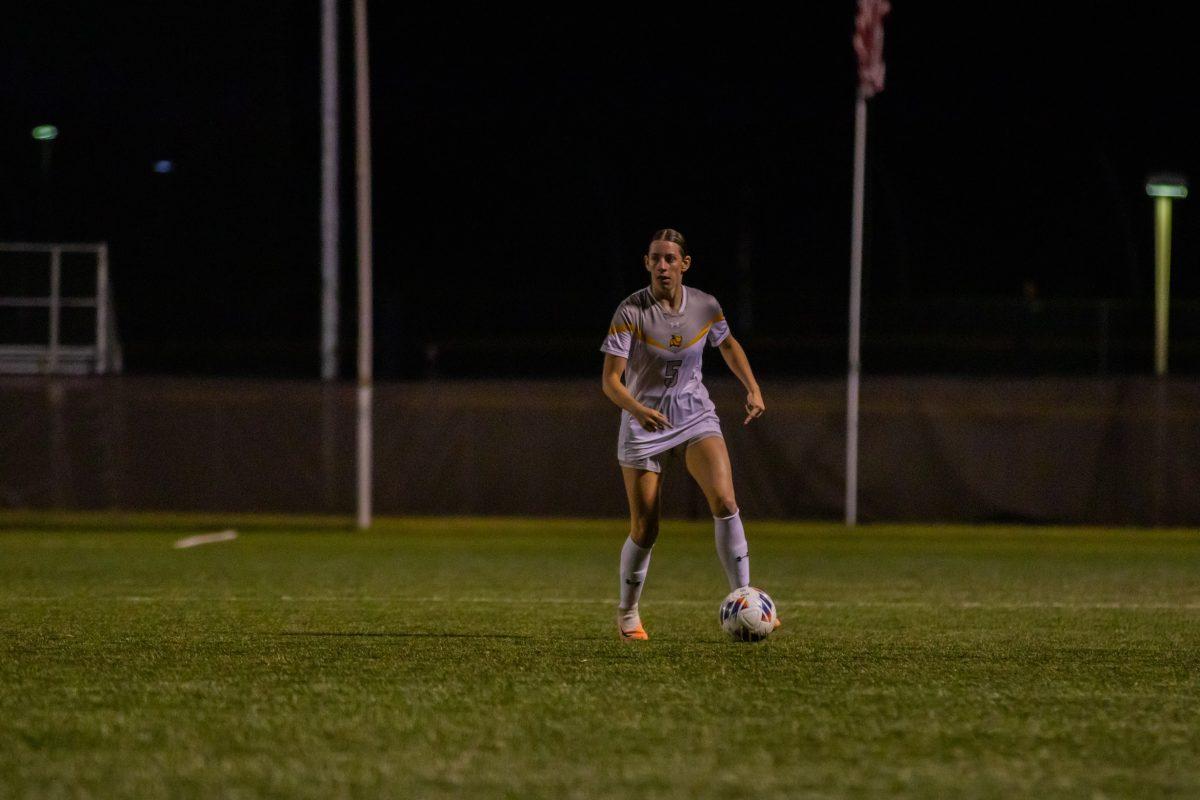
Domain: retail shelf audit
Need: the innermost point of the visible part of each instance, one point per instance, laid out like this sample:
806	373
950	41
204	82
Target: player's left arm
739	365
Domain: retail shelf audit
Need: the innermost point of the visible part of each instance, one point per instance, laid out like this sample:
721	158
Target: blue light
163	167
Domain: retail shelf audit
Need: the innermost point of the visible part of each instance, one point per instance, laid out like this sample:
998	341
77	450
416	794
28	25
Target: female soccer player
656	341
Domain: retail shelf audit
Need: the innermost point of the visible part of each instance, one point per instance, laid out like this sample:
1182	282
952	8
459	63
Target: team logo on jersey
676	340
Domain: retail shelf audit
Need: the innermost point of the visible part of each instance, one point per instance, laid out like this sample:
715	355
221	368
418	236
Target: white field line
788	603
205	538
567	601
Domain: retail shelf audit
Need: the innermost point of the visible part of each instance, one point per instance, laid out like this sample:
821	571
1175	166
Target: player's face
666	265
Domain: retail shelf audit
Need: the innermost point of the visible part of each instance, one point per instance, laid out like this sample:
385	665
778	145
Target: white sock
732	549
635	563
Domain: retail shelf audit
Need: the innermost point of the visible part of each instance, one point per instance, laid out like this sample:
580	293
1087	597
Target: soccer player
656	341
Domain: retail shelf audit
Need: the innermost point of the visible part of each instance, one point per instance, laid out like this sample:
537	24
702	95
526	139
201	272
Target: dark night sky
522	161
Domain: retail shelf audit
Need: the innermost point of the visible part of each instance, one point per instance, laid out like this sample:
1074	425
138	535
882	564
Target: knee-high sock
732	549
635	563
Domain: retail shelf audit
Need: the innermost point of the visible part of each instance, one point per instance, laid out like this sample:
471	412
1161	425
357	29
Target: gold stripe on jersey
651	342
638	334
705	329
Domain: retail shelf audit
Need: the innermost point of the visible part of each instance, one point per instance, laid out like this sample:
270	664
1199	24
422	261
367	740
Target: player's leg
708	463
643	489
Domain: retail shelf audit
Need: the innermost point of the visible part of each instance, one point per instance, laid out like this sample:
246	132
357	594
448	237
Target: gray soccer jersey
665	351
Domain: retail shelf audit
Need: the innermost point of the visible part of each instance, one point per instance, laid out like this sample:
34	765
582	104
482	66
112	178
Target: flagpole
856	248
868	45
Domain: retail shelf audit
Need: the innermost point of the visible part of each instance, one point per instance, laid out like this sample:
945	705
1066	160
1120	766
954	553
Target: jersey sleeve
620	333
718	329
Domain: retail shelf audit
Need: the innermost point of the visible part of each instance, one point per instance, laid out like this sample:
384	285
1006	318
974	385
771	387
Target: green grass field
448	658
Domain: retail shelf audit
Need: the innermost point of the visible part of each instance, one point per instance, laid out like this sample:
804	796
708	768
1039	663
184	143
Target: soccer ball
748	614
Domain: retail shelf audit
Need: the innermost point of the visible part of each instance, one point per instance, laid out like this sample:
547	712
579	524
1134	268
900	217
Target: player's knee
644	532
723	505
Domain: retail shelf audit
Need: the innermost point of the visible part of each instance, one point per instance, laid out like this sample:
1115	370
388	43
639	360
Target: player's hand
652	420
754	406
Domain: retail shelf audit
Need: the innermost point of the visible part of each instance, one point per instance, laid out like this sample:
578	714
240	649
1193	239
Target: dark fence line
1105	451
951	336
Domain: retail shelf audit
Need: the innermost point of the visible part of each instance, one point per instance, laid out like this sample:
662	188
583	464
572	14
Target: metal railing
33	354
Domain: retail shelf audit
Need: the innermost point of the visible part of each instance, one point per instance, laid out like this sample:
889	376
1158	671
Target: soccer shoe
629	626
778	624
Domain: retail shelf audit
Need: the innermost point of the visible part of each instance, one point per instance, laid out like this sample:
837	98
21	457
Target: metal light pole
1165	189
329	190
45	136
362	113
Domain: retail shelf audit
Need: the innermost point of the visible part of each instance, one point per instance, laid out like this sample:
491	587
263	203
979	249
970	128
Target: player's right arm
615	390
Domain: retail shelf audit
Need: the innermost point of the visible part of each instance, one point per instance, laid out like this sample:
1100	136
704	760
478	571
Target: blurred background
521	161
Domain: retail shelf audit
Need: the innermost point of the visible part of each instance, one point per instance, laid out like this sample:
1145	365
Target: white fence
29	345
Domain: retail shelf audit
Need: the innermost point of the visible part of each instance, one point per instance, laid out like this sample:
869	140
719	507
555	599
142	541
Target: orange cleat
638	634
629	625
778	624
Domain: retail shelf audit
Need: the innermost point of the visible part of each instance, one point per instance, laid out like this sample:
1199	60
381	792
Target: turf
477	658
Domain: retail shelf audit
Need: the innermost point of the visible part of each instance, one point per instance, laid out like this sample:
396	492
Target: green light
1167	184
1166	190
44	133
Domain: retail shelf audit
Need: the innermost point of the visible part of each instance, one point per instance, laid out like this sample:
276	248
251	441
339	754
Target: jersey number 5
671	373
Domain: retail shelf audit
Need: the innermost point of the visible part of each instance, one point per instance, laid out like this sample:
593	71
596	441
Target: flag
868	44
